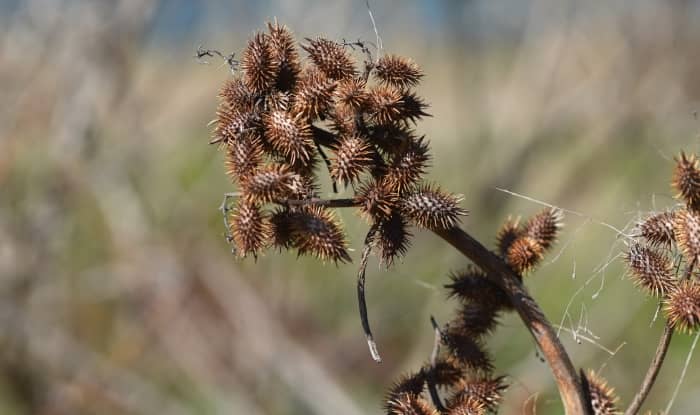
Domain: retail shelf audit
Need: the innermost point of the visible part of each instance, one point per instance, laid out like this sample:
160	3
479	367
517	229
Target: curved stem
361	296
432	388
652	372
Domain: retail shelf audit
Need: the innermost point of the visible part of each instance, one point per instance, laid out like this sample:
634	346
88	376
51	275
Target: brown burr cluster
279	114
652	260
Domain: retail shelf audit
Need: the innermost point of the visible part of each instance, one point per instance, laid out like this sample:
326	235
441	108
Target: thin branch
328	166
332	203
652	372
432	388
361	295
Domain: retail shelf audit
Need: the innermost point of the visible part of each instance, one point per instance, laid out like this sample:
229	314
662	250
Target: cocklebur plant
279	115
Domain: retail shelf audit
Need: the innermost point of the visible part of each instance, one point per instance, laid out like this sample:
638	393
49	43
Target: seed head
544	226
353	156
244	156
475	320
250	228
376	200
524	254
315	230
485	389
686	230
393	238
603	397
314	94
683	306
429	207
259	68
351	93
290	135
230	124
445	372
472	286
658	229
236	96
284	55
330	57
466	350
411	384
386	105
650	269
397	71
464	404
408	165
507	234
686	180
408	404
413	107
267	184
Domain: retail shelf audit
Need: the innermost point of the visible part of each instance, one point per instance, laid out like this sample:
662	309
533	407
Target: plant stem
652	372
432	388
361	295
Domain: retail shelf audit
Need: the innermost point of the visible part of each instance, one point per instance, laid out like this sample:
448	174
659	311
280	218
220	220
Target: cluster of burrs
276	118
664	259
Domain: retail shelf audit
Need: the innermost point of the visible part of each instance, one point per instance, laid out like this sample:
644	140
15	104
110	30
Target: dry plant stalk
274	120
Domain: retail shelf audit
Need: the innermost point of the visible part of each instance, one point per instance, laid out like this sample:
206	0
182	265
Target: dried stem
432	388
656	362
328	165
361	295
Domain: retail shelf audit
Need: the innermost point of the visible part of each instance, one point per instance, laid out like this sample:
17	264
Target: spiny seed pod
686	229
235	95
278	101
392	139
344	120
351	93
486	390
524	253
284	55
472	286
259	68
393	238
412	384
230	124
443	373
686	180
683	306
281	227
544	226
475	320
385	105
408	165
650	269
314	94
330	57
603	397
353	155
658	229
290	135
464	404
243	157
429	207
413	107
397	71
408	404
467	351
376	200
507	234
316	231
268	184
250	228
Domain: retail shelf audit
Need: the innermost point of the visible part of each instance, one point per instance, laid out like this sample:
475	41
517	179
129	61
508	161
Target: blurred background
119	294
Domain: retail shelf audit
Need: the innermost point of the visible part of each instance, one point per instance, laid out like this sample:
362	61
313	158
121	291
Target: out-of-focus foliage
119	293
